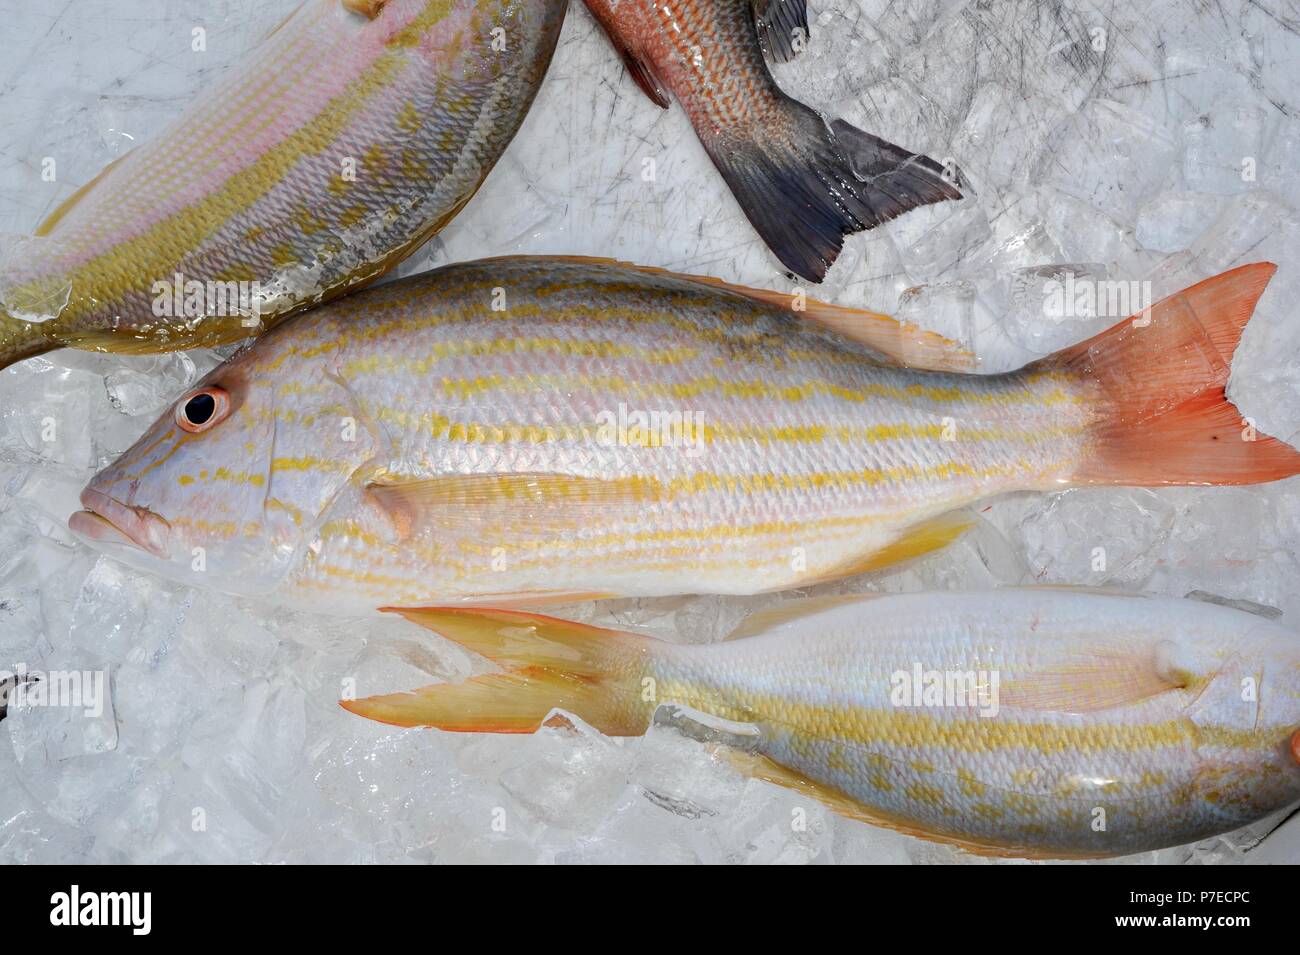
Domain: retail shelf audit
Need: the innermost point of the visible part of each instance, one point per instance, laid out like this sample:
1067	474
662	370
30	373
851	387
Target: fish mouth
109	521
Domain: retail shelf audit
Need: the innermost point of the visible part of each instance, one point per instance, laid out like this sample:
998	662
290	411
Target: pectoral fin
50	222
639	66
643	74
523	599
1097	678
764	620
523	499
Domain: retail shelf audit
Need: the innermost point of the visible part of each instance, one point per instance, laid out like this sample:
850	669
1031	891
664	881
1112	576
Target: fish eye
202	409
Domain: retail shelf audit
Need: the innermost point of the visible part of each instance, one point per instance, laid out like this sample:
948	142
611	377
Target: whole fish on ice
1035	721
352	133
528	430
803	183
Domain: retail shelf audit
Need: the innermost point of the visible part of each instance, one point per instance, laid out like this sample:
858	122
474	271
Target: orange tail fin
550	663
1162	376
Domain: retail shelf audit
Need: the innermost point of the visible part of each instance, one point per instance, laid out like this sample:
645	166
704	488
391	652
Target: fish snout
107	520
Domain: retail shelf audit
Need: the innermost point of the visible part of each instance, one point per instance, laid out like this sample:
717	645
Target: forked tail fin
550	663
805	184
1161	377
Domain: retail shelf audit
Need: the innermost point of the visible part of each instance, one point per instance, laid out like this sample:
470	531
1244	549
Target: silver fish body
1025	721
535	429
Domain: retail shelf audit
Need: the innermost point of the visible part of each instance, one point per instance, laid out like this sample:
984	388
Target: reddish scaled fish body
803	183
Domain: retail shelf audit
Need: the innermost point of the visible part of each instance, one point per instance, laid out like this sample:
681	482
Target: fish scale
803	182
556	391
1106	723
250	184
453	438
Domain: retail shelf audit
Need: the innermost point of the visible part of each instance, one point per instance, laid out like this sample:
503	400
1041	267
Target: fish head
1278	673
228	488
1243	698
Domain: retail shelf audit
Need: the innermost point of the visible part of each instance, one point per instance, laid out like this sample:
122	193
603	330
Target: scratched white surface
1104	135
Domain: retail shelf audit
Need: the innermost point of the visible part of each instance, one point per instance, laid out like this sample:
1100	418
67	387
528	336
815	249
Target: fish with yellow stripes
353	133
1020	722
531	430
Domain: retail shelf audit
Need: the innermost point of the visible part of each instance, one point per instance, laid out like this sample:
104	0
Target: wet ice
1161	149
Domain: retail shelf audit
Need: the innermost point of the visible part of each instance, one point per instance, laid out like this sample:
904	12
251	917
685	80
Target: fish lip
108	520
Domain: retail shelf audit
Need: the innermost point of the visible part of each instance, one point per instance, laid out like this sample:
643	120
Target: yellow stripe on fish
558	446
346	144
1099	724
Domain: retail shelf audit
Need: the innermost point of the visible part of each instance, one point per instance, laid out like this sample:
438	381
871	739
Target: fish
1026	722
349	136
803	182
527	430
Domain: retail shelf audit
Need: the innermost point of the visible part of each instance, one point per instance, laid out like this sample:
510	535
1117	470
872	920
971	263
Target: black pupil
199	408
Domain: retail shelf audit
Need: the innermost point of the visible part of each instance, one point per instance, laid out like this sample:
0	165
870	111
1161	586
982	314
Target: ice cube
1094	536
122	612
145	386
570	776
947	308
1053	306
1109	156
1172	220
1085	233
1002	135
1223	148
933	240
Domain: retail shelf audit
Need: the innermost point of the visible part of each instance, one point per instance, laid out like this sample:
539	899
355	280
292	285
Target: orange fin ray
589	671
1161	376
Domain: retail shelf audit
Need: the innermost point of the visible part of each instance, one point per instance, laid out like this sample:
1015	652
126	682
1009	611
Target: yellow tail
593	673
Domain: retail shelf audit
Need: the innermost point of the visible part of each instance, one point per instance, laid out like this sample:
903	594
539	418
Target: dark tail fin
1162	375
806	185
20	339
782	27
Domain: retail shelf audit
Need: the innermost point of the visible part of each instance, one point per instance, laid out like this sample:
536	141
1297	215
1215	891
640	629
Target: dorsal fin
903	342
49	223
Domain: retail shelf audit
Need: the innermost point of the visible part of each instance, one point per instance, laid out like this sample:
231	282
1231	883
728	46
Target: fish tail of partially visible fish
807	184
21	339
597	674
1160	379
782	27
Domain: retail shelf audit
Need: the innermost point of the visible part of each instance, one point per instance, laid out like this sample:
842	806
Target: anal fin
919	540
